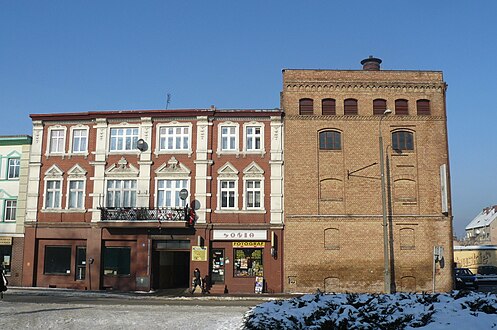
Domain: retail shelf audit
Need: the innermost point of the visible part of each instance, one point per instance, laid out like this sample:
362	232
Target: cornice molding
372	118
315	86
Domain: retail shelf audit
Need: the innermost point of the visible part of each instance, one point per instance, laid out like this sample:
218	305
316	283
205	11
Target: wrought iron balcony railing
143	214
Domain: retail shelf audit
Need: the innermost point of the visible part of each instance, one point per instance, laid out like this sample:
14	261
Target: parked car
486	270
465	279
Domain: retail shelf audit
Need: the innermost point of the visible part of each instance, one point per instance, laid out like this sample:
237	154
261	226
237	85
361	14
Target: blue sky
71	56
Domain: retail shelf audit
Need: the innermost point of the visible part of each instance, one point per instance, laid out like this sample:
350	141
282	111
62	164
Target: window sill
63	210
223	211
188	152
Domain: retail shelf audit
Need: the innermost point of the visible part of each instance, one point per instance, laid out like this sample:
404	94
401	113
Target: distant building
482	230
106	208
14	158
334	233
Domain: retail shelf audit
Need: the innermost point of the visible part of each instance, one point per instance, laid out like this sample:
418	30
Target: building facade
136	200
338	132
482	230
14	158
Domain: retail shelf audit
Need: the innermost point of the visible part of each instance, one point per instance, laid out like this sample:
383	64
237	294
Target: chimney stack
371	64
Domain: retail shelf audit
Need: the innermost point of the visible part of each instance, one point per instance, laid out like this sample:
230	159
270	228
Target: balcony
137	214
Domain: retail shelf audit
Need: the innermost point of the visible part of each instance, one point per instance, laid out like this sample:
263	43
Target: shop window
57	260
80	263
6	257
117	261
248	263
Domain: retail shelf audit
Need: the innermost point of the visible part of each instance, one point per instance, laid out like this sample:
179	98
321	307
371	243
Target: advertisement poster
199	253
259	284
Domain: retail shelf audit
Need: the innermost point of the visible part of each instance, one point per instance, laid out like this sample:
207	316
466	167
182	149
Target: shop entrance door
217	266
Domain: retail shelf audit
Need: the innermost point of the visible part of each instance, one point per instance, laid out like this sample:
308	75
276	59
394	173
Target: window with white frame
253	194
228	194
168	192
121	193
254	137
79	140
52	194
228	138
173	138
76	194
57	137
10	210
123	139
13	169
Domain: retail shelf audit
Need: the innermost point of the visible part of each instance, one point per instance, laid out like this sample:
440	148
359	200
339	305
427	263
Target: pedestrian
197	279
3	281
206	284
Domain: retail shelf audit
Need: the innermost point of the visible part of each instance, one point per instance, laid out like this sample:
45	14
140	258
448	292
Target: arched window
402	140
330	140
379	106
423	107
306	107
350	107
401	107
328	107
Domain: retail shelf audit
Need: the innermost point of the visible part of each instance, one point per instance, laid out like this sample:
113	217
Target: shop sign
5	240
199	253
239	235
249	244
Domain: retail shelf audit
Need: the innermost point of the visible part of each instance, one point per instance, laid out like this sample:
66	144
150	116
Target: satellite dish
141	145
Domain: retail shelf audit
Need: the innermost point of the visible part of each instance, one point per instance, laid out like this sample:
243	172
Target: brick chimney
371	64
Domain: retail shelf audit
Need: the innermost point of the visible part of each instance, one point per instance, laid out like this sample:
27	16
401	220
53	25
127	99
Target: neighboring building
334	233
14	158
474	256
482	230
105	210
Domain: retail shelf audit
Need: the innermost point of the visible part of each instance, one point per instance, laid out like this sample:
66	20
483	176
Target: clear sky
71	56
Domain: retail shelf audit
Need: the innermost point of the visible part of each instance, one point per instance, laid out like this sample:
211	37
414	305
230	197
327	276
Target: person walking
197	279
3	281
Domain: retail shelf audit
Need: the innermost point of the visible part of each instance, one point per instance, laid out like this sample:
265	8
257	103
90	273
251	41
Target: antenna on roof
168	99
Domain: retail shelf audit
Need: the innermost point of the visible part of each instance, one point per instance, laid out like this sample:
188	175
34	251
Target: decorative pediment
227	170
122	169
4	194
54	172
172	168
14	154
77	171
253	170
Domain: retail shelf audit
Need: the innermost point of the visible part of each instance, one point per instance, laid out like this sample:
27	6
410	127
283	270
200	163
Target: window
76	194
330	140
123	139
57	260
10	210
423	107
52	194
79	140
6	257
80	263
350	107
253	138
228	194
379	107
168	193
253	194
121	193
401	107
57	141
228	138
13	169
174	138
248	263
117	261
402	140
306	107
328	107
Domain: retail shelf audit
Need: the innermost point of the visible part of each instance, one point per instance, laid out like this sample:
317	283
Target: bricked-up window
123	139
248	263
328	107
423	107
401	107
306	107
10	210
350	107
331	190
379	107
117	261
330	140
57	260
404	190
332	239
402	140
121	193
228	194
407	240
168	193
14	168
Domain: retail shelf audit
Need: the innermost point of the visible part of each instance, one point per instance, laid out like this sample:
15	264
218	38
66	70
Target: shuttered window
350	107
423	107
306	107
328	107
401	107
379	106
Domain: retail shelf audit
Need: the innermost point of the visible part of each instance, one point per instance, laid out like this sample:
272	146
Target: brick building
14	158
334	233
106	207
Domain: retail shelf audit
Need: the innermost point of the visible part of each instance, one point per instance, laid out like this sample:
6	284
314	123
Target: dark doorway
171	269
